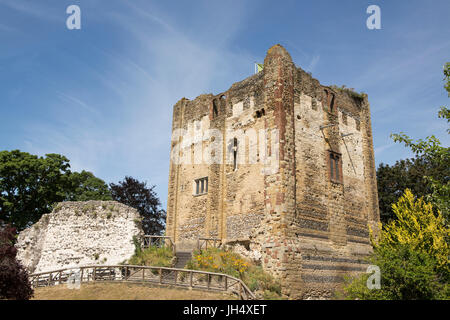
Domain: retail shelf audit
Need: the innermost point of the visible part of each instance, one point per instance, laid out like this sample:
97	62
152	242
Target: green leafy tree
30	185
406	174
84	186
412	254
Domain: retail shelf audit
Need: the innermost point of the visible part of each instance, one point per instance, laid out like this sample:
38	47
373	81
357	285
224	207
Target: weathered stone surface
80	233
300	209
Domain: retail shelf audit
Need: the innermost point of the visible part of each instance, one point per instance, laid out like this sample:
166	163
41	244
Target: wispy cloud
381	149
34	9
313	63
75	101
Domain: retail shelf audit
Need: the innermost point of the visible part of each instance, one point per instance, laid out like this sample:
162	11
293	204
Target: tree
14	283
412	254
135	194
406	174
30	185
85	186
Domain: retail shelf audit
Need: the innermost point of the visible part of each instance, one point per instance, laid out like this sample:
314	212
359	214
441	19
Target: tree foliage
84	186
14	283
137	195
412	253
30	185
411	174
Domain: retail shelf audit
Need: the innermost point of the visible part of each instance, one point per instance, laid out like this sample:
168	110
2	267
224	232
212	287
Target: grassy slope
123	291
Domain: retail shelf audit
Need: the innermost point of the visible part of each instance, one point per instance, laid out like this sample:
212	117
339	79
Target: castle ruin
282	165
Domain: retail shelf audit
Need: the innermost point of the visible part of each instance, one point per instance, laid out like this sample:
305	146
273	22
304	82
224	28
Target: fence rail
209	281
158	241
204	243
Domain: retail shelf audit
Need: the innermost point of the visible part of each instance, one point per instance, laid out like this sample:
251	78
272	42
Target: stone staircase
182	258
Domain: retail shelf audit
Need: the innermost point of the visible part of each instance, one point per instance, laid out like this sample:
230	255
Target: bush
412	254
227	262
406	274
152	256
14	283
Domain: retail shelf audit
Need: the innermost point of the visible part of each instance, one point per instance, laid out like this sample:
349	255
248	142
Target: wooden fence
204	243
193	279
158	241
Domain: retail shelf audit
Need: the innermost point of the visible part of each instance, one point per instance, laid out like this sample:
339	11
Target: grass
217	260
350	91
152	256
123	291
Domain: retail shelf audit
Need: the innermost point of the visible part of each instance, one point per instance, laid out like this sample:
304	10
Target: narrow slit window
336	162
331	166
335	165
235	145
215	109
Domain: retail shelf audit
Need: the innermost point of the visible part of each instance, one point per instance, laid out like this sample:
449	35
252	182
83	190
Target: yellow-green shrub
222	261
412	254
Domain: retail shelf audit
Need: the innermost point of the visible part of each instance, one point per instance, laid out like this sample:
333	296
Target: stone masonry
282	165
80	233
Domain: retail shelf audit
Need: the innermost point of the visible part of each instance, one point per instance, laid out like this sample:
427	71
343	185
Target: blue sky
103	95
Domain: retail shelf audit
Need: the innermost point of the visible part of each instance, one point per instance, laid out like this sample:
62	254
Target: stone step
182	258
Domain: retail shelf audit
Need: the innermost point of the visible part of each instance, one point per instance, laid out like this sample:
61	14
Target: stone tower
282	165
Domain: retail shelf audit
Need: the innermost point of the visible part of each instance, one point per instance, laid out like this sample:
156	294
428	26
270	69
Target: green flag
259	67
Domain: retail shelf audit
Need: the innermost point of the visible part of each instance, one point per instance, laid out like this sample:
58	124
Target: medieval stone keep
283	166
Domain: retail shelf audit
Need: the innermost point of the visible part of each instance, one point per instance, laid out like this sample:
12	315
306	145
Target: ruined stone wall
309	225
80	233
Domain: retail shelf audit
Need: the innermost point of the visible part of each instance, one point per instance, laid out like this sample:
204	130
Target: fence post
160	275
226	283
192	274
143	274
209	280
176	276
95	271
240	290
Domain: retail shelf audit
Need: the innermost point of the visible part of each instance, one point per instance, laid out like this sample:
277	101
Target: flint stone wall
80	233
